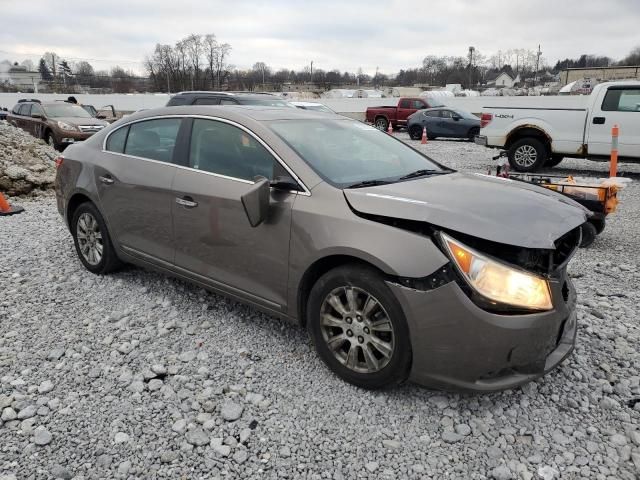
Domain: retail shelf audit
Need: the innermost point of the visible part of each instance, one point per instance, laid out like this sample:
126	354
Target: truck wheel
382	123
589	232
415	132
527	155
553	161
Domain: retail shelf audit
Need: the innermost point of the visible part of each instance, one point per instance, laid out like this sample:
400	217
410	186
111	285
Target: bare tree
195	50
217	54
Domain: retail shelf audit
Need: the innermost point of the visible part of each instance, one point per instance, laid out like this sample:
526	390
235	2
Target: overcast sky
345	34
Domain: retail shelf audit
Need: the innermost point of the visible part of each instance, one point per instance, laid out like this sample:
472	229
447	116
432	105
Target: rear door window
622	100
405	104
432	113
25	109
417	104
224	149
226	101
153	139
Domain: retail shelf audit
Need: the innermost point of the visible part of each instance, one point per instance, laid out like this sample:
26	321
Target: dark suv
227	98
58	123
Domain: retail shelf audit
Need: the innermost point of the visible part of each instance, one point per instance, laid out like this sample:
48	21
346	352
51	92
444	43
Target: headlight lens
67	126
498	281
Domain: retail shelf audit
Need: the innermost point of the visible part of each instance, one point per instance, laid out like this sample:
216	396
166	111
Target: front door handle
186	202
106	179
599	120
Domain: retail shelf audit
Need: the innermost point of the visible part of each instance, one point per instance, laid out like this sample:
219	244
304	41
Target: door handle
599	120
106	179
186	202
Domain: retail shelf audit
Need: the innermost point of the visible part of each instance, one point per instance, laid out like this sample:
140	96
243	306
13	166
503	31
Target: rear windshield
176	101
65	110
345	152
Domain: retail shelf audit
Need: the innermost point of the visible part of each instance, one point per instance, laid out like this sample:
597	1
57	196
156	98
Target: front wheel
92	241
527	155
358	327
589	232
51	141
415	132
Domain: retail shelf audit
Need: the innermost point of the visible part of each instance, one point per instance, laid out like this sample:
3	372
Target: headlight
498	281
67	126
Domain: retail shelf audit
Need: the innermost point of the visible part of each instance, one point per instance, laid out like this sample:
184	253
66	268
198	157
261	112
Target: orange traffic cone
6	209
390	129
424	136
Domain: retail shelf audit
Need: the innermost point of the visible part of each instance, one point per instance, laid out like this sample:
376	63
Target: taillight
485	119
59	161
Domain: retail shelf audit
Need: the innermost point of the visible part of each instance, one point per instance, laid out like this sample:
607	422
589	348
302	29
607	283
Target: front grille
90	128
565	248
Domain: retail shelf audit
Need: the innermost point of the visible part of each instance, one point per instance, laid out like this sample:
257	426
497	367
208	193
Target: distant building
599	74
19	77
500	80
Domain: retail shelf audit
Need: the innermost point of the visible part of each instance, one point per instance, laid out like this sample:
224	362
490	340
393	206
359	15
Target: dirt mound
26	162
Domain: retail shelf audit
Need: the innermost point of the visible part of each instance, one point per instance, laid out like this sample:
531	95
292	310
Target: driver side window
224	149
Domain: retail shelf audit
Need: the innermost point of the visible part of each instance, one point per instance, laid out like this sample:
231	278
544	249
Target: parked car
316	107
227	98
58	123
536	137
107	112
397	116
443	122
398	266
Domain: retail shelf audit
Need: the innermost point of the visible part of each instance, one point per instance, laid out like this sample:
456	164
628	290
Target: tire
381	123
89	228
350	334
527	155
589	232
599	223
51	140
553	161
472	133
415	132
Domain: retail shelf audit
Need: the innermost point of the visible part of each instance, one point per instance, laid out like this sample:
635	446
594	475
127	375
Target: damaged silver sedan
399	267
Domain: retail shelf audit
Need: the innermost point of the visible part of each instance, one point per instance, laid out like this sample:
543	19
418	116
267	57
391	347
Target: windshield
345	152
65	110
90	110
268	102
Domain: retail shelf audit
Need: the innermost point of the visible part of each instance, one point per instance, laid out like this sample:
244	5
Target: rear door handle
599	120
106	179
186	202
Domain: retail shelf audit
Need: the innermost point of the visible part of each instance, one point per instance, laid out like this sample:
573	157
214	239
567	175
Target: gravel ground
136	375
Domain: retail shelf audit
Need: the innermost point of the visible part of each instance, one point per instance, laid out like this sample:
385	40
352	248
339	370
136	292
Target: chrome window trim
306	191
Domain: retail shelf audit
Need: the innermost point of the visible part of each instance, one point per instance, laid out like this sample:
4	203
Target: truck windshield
65	110
345	152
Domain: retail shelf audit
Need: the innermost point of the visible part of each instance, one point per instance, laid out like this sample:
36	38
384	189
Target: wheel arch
319	268
528	131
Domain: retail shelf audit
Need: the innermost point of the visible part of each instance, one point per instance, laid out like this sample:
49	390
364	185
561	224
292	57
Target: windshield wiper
368	183
423	173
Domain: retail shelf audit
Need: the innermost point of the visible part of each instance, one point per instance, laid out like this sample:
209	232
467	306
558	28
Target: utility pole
311	73
537	64
471	52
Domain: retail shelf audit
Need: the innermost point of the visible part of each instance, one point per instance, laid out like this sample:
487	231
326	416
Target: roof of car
225	93
255	112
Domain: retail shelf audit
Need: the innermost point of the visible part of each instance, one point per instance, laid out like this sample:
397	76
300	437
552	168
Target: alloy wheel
89	239
381	124
357	329
525	155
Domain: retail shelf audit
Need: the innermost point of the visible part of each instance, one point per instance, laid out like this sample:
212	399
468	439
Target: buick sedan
399	267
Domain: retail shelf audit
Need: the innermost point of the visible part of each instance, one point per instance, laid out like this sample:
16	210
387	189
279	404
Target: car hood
496	209
80	121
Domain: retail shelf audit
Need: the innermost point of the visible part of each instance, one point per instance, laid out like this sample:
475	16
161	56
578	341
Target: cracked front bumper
458	346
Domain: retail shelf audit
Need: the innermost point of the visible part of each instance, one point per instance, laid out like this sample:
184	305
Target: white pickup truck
542	136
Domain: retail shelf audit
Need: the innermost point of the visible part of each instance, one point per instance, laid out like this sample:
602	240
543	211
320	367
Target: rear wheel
415	132
527	155
382	123
472	133
92	240
358	327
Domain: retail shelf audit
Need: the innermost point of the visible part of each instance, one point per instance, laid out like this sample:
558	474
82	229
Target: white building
504	80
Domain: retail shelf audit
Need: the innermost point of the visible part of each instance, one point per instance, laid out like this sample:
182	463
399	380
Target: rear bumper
481	140
458	346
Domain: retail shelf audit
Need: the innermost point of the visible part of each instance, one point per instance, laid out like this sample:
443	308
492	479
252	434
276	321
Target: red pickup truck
397	116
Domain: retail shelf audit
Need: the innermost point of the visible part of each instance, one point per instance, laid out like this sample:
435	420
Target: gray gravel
136	375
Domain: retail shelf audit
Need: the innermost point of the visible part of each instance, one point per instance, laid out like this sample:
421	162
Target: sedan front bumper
458	346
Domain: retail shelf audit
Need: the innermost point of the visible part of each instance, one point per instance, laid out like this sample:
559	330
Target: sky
346	35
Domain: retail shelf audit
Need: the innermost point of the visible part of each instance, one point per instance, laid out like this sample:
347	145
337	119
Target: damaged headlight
498	281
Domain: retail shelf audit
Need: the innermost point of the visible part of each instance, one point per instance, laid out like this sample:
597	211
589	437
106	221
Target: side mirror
285	182
37	115
256	201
